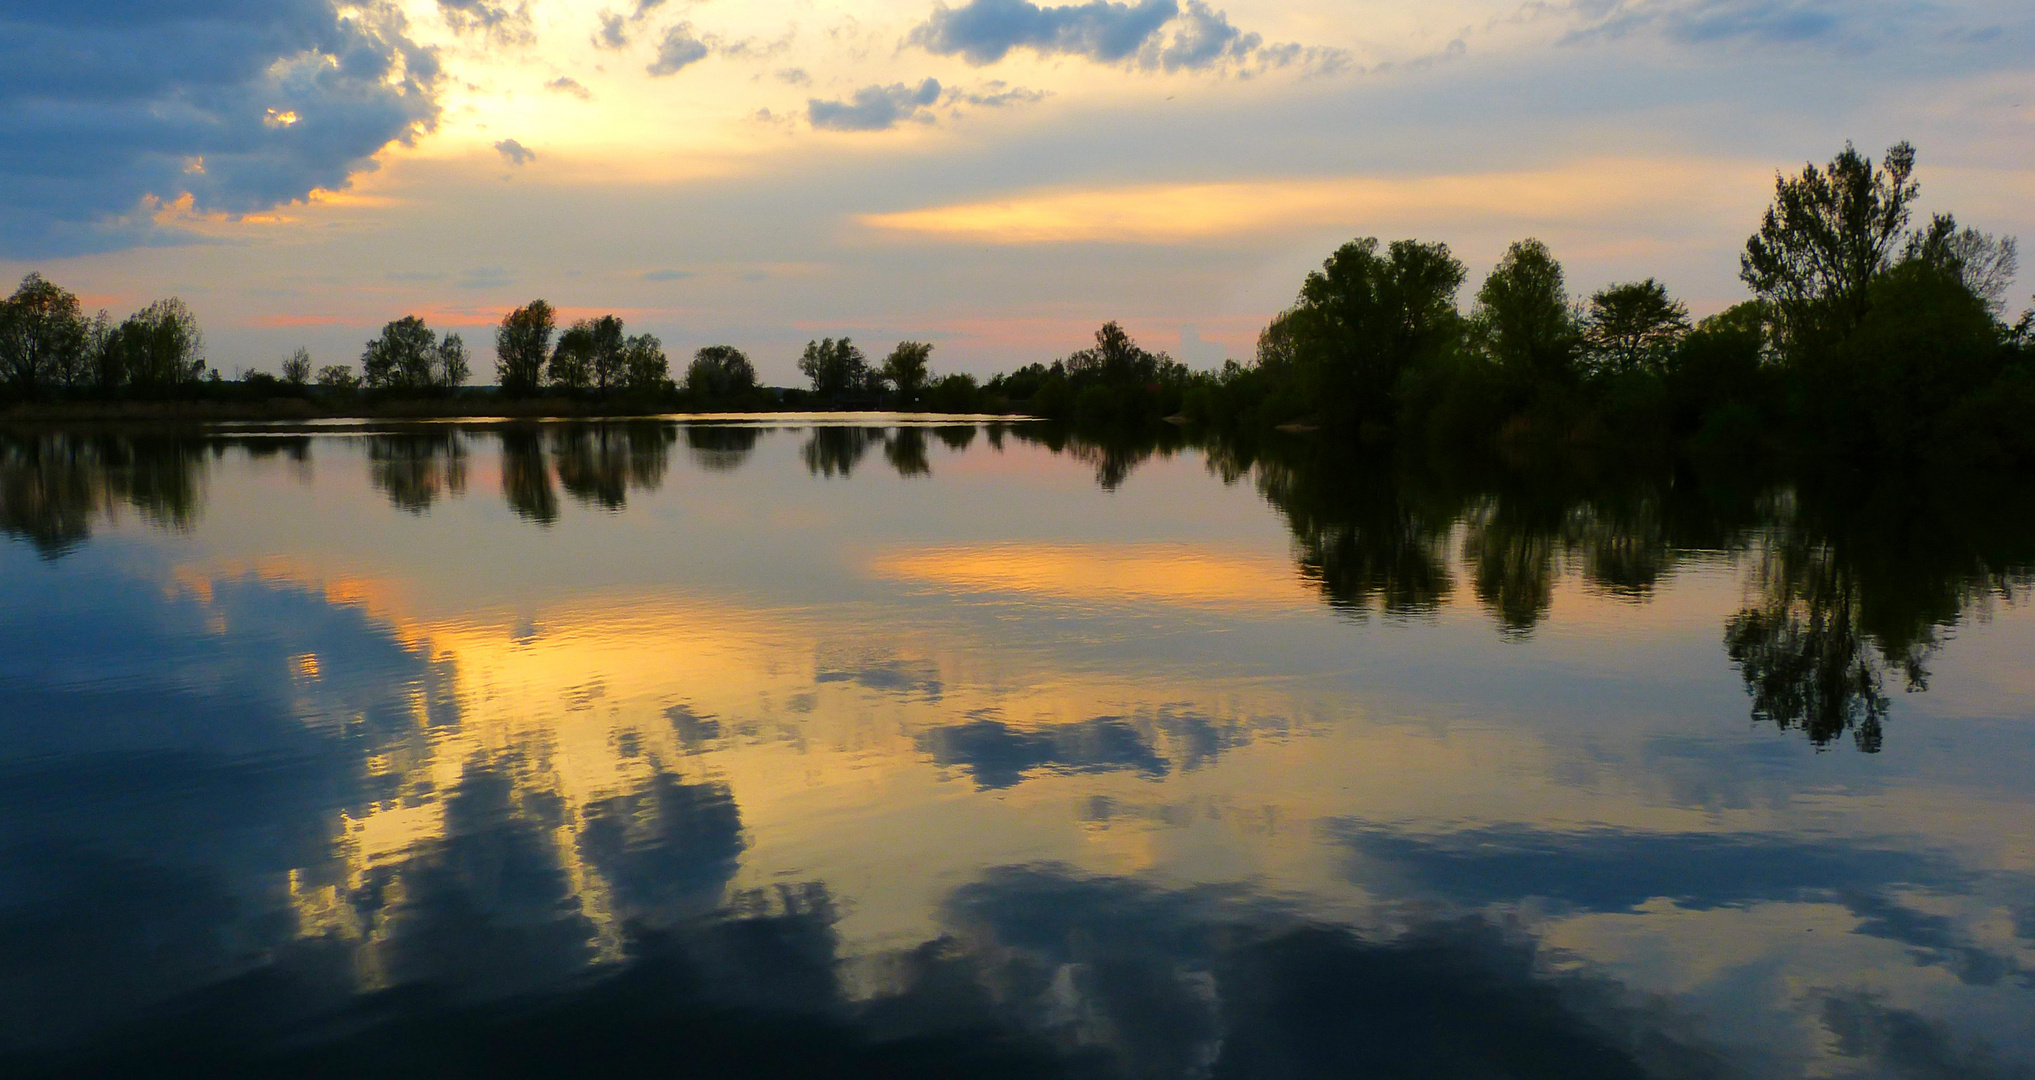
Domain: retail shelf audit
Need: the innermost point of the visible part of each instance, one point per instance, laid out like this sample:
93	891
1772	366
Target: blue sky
996	176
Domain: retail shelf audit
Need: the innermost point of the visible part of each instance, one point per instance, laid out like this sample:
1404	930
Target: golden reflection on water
1105	573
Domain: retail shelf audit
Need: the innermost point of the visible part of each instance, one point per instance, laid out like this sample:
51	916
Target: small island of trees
1864	334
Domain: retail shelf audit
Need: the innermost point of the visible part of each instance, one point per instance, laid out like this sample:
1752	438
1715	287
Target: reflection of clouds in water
999	755
876	668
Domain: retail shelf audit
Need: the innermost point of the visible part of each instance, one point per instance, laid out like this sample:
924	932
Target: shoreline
489	410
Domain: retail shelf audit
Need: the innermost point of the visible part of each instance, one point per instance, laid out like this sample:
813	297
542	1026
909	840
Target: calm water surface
664	748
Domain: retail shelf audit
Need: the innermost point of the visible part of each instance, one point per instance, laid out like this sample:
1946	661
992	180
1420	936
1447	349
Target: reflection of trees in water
906	452
835	451
721	448
1860	580
416	469
54	487
1114	453
526	478
599	464
955	437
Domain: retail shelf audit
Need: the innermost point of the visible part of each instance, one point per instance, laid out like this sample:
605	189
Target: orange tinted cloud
1106	573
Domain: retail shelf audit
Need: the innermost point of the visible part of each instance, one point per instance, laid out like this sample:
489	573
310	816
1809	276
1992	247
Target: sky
997	177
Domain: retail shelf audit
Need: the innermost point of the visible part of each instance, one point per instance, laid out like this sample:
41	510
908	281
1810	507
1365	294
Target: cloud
875	108
794	76
995	95
984	31
667	275
493	21
999	756
515	153
1153	35
614	32
679	49
485	277
1772	22
568	85
225	111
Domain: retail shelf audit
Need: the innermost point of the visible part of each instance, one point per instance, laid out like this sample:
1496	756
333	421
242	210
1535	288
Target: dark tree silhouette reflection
599	464
835	451
55	487
719	447
526	476
416	469
906	452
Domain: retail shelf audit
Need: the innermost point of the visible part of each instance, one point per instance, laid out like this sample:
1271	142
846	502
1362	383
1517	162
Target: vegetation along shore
1867	333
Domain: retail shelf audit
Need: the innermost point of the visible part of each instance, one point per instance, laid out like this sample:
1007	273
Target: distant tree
606	362
159	346
42	335
645	369
1363	319
1828	234
720	371
572	361
337	377
522	345
297	369
954	393
451	365
905	369
1635	326
1115	359
1523	315
1985	264
835	367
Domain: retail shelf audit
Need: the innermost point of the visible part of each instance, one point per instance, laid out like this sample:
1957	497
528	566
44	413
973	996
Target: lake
886	746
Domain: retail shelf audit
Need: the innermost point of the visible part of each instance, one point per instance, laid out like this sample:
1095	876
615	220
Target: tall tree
42	335
522	345
1828	234
1983	263
297	369
450	365
1523	315
645	369
572	361
906	369
1634	326
160	346
1363	319
402	357
1115	359
835	367
606	361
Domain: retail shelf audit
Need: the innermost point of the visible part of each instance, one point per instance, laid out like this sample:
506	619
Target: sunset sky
992	176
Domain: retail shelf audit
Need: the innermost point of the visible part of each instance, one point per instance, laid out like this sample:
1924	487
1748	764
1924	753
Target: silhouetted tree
526	477
522	345
720	371
572	361
337	377
906	452
835	367
608	355
905	369
1523	316
409	356
1983	263
42	335
1635	326
1360	322
1828	234
158	346
831	451
644	366
297	369
416	470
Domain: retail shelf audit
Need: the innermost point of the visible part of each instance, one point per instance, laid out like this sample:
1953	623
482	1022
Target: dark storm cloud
239	105
875	108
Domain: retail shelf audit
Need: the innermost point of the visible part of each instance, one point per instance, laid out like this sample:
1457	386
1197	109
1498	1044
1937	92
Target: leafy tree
1828	234
42	335
571	366
905	369
720	371
1115	359
1362	320
522	344
835	367
1523	315
337	377
1635	326
297	369
158	346
644	366
954	393
606	358
409	356
1985	264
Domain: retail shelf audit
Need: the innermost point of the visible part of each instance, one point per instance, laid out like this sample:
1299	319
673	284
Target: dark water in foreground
950	750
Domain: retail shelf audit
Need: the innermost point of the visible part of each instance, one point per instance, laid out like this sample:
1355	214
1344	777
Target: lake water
968	749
